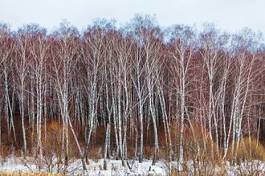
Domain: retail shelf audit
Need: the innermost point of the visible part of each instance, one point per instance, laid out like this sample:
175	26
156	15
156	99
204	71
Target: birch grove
134	92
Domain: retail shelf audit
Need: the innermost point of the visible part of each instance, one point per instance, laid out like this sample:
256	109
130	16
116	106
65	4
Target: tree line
138	83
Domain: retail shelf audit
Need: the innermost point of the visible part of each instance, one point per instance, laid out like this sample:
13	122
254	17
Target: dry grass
197	143
6	173
197	147
202	170
249	149
52	142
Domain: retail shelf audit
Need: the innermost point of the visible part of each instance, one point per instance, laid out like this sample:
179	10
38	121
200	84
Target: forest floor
18	166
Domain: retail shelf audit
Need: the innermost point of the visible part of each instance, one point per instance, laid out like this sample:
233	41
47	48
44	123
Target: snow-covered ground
114	167
95	167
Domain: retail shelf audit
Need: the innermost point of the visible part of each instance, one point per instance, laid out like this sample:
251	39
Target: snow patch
132	168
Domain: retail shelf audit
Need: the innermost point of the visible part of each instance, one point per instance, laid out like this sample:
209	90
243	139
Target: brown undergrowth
197	142
249	149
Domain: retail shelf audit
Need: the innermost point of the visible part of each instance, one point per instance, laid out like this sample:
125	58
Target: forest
137	91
